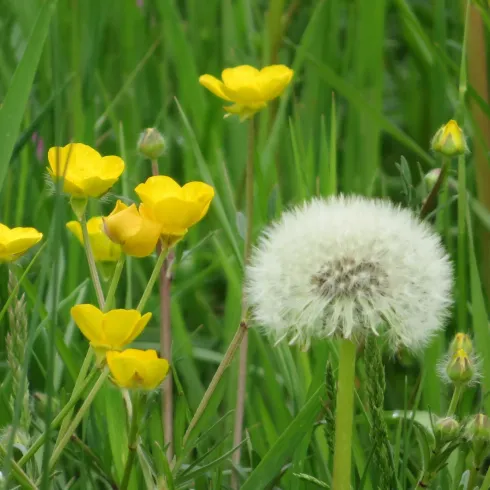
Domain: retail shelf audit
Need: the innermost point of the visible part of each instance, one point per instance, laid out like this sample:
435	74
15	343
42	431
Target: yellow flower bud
460	368
109	331
249	88
136	234
151	144
103	249
173	207
461	341
137	369
446	429
84	171
15	242
449	140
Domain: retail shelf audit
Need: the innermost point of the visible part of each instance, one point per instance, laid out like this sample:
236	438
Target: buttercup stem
229	355
133	440
78	417
242	368
62	415
114	282
462	259
91	263
458	390
166	345
153	278
344	416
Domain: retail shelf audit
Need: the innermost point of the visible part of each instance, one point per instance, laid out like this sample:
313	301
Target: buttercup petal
21	239
76	229
72	157
111	167
155	372
241	84
155	187
96	186
88	319
118	326
213	85
138	328
273	80
123	369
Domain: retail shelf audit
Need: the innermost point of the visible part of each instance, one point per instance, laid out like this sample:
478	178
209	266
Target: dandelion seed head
349	266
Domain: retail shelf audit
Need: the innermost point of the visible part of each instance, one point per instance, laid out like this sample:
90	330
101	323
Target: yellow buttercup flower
15	242
109	331
136	234
86	173
103	248
173	207
249	88
137	369
449	140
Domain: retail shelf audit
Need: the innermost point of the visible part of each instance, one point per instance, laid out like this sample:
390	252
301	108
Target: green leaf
13	107
287	443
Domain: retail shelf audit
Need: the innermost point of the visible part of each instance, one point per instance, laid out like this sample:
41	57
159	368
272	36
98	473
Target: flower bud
460	368
449	140
478	429
461	341
430	178
446	429
151	144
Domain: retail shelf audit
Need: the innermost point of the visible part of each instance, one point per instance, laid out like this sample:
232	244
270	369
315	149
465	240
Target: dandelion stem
242	368
228	357
166	344
458	391
91	262
114	282
133	441
344	416
153	278
78	417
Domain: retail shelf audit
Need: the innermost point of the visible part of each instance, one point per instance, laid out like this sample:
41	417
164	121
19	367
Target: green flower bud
460	368
151	144
449	140
430	178
478	429
446	429
461	341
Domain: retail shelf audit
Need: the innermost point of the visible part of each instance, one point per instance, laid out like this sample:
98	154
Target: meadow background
373	82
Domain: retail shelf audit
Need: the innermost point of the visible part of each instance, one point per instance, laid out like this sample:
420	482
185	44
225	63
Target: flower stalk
344	416
91	263
114	282
154	275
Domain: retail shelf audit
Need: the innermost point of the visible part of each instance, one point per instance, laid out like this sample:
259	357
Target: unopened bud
446	429
151	144
478	428
461	341
449	140
430	178
460	368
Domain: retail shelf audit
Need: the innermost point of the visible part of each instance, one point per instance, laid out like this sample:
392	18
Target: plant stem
91	262
344	416
242	367
462	260
152	280
114	282
78	417
18	472
228	357
458	390
166	345
133	440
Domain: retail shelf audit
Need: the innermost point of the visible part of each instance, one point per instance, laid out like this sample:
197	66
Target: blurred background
373	82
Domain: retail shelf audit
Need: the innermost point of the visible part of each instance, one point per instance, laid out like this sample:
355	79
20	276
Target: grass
373	82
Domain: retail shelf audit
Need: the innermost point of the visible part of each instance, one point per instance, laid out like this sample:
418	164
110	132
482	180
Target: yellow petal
123	369
244	111
155	187
94	186
88	319
76	229
118	326
138	328
273	80
103	248
241	84
71	157
176	215
213	85
200	193
17	241
155	372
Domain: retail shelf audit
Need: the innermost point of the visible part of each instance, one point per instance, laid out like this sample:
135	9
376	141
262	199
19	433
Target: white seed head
348	266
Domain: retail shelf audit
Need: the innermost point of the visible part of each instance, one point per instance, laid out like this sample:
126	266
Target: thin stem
458	391
228	357
78	417
18	472
153	278
114	282
472	477
242	367
133	439
166	344
462	260
91	262
344	416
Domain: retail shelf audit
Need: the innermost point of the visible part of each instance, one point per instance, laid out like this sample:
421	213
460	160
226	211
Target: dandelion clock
348	267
